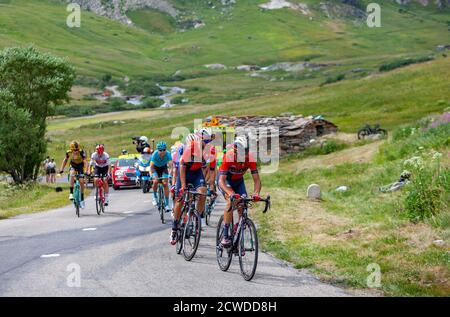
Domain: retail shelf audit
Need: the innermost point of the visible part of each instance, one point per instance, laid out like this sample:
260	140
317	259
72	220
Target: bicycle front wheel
161	204
224	256
248	249
192	232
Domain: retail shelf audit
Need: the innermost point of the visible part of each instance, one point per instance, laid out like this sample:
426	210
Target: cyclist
189	172
78	164
160	165
210	168
235	164
102	168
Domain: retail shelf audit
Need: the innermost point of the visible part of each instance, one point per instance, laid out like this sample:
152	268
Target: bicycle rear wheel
224	256
248	249
192	232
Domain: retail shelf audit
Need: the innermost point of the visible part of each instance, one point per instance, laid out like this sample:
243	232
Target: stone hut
295	132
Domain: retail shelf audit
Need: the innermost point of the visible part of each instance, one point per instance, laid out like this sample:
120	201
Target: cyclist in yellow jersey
78	164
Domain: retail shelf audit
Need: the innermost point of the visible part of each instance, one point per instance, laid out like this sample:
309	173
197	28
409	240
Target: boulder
314	192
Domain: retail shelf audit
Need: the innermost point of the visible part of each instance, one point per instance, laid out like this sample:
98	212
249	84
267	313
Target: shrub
333	79
426	197
150	102
403	62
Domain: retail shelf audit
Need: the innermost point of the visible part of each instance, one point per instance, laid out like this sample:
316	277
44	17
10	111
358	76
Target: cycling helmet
241	142
143	139
192	137
100	149
161	146
74	145
146	150
205	133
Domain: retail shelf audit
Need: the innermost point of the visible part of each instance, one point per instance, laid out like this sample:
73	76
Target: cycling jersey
76	158
235	170
193	157
99	160
210	156
176	155
161	162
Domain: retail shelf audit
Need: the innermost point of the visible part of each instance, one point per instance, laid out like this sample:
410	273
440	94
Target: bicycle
77	193
161	202
100	197
210	204
189	231
240	233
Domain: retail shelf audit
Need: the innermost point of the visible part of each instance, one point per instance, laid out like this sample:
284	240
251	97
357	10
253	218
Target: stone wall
295	132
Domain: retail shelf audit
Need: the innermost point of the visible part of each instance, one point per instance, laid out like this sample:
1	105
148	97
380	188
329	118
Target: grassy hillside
246	35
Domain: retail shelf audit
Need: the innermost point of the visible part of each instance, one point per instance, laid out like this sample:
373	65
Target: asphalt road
126	252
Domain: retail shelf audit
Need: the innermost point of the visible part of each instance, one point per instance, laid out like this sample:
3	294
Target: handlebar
250	200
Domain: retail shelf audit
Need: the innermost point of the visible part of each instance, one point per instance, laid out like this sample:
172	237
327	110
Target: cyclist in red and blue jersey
231	179
189	171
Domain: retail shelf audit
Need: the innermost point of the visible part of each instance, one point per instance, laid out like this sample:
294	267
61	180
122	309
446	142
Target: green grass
15	200
153	21
316	235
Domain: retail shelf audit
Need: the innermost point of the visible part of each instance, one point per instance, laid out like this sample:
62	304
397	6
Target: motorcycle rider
141	144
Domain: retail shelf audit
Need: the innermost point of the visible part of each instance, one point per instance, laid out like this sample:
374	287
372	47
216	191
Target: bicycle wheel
77	199
248	249
161	203
191	237
224	256
98	202
208	210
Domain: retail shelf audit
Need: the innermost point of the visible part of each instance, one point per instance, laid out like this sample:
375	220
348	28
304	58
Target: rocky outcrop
116	9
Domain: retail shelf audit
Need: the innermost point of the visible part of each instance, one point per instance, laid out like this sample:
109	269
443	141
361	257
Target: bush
143	87
333	79
404	62
150	102
426	197
116	103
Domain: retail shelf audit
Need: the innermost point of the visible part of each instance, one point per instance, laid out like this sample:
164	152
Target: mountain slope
232	35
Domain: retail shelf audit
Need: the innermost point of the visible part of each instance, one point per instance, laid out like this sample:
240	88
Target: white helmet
241	142
143	139
192	137
205	133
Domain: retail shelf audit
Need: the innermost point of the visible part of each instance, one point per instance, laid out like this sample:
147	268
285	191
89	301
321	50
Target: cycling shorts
237	186
162	172
100	171
79	168
195	178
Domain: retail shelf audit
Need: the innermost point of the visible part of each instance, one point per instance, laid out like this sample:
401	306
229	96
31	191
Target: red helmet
100	149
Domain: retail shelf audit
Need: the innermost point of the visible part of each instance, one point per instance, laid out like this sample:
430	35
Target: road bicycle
189	231
210	205
77	192
161	202
244	239
100	196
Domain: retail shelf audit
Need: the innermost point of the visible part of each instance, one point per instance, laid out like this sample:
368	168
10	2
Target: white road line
89	229
55	255
128	212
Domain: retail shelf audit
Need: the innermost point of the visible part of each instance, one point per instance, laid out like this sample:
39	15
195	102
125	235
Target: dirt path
358	154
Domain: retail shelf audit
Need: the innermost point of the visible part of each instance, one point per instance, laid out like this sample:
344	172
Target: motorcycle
367	130
143	178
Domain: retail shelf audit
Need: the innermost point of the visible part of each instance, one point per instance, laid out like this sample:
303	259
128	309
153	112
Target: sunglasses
161	150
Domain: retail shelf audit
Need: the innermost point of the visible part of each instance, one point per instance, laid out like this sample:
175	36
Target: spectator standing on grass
44	164
51	168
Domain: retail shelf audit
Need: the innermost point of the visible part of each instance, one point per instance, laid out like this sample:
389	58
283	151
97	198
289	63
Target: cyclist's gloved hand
235	196
256	197
181	191
61	172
